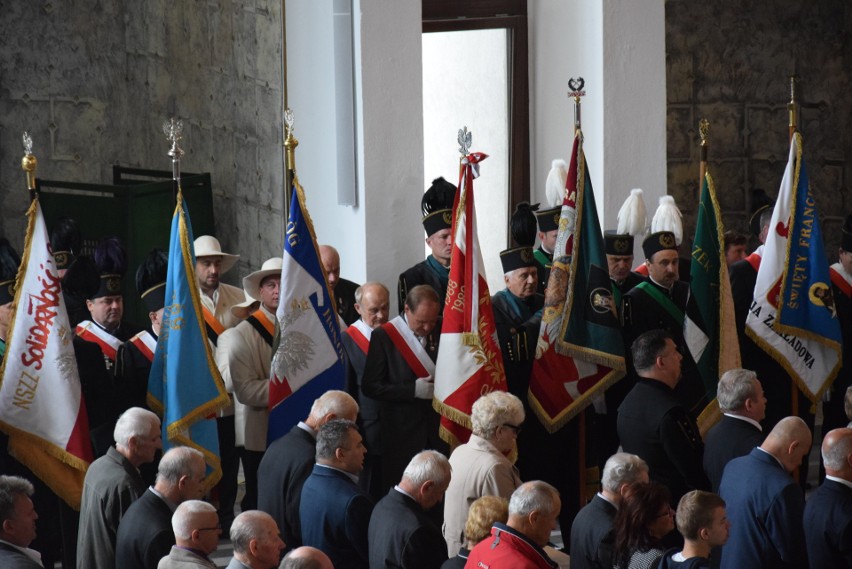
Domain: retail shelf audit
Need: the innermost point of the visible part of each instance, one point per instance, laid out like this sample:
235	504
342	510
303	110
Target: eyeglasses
516	428
217	528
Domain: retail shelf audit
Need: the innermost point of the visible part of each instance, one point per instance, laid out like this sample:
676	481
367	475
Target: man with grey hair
828	512
196	529
257	544
112	483
145	532
334	511
17	524
306	558
592	538
288	462
401	532
372	301
533	514
743	404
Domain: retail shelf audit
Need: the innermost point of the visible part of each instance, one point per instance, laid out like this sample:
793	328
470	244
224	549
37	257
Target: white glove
424	388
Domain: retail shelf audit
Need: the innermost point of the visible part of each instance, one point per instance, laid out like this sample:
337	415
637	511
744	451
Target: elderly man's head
372	302
137	435
739	392
497	417
256	540
196	526
655	356
330	259
789	442
621	470
17	513
534	510
426	478
837	453
422	308
181	474
333	404
306	558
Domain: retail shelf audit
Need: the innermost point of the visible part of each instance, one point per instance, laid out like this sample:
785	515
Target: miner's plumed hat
437	206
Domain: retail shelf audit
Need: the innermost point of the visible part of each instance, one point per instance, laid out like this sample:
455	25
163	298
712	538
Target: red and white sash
360	334
91	332
145	343
409	347
841	279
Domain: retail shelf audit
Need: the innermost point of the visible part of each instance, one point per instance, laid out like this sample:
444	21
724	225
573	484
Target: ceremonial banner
309	359
792	316
41	403
579	352
714	346
469	363
185	387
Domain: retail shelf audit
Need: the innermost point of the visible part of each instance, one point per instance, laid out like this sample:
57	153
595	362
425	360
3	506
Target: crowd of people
365	480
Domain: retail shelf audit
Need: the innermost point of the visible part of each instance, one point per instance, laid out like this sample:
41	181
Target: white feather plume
554	186
668	218
633	216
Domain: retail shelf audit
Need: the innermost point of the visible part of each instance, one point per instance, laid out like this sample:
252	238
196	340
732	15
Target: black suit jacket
729	439
592	537
145	533
655	426
368	411
402	534
408	425
11	558
828	526
283	470
420	274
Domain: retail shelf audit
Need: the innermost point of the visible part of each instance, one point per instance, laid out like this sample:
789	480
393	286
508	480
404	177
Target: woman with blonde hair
482	515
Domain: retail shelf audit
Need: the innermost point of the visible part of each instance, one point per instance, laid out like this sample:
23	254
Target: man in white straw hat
244	356
217	298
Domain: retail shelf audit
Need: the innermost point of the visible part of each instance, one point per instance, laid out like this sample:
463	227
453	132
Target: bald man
306	558
342	290
765	504
828	513
372	301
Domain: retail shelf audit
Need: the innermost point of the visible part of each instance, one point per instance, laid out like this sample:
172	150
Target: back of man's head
306	558
180	463
623	468
695	512
254	535
16	531
332	436
533	508
789	441
135	422
419	294
333	404
426	478
837	453
735	387
648	347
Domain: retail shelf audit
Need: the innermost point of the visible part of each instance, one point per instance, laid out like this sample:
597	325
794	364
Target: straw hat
245	308
208	246
251	283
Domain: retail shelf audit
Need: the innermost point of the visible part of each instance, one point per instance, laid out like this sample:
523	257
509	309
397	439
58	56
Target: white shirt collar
305	427
846	483
781	464
746	419
31	553
602	497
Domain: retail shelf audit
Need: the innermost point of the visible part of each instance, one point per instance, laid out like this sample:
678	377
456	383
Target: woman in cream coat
480	467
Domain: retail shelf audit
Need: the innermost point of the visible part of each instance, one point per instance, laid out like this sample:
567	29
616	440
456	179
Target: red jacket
508	548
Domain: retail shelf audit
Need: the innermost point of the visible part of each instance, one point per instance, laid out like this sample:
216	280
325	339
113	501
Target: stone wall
730	62
93	82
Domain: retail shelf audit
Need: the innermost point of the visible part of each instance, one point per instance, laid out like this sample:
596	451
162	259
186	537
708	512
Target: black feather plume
440	195
66	236
152	271
523	225
82	280
110	257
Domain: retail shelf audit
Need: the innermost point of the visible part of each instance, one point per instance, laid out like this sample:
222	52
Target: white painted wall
619	49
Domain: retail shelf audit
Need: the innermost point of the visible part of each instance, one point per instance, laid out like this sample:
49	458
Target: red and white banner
41	402
469	362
